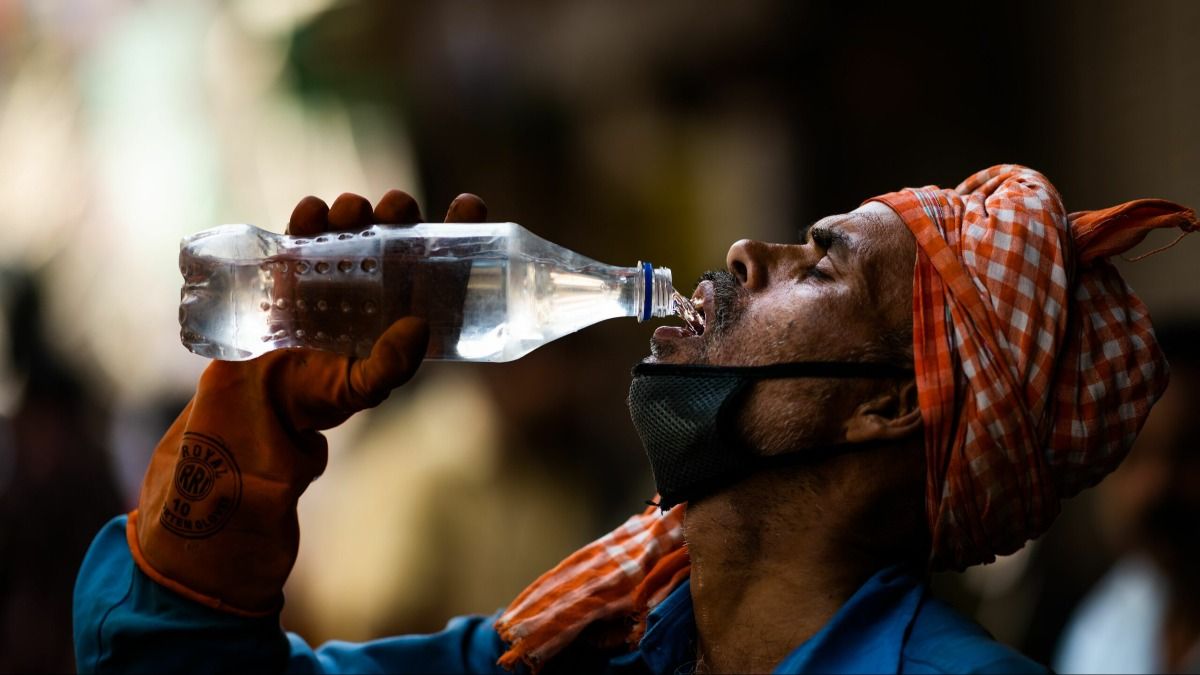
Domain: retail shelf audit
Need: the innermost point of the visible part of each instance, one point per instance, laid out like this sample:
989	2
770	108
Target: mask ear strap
830	369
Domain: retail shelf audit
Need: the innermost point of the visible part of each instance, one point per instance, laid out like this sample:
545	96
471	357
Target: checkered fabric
621	576
1036	364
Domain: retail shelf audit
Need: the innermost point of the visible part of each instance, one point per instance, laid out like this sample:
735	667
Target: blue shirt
126	622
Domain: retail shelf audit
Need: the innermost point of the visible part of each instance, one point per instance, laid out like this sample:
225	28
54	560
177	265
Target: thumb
394	359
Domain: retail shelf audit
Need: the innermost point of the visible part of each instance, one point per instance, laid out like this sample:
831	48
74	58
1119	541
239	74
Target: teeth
692	314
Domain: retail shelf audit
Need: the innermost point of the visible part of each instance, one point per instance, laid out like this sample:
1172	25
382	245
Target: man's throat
762	583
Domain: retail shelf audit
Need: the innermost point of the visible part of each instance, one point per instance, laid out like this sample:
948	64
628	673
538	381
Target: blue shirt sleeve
124	621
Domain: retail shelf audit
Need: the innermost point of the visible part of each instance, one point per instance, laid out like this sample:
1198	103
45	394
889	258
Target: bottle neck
653	291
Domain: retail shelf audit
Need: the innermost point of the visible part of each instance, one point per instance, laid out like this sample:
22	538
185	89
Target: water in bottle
490	291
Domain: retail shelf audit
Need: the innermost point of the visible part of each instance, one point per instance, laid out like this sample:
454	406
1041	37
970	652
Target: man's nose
748	261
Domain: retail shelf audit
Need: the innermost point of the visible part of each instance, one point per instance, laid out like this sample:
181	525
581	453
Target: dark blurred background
661	131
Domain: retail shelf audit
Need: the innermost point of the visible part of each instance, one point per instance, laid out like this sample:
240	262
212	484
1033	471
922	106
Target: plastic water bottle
490	291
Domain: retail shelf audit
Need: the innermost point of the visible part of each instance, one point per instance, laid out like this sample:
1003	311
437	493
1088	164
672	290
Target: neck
766	576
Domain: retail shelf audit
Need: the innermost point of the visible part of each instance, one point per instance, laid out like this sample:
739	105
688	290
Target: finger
349	212
309	218
397	208
466	208
393	360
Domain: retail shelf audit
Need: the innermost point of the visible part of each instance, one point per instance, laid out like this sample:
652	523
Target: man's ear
888	417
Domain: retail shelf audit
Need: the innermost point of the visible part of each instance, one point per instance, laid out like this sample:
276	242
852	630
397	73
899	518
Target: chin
662	351
668	346
694	350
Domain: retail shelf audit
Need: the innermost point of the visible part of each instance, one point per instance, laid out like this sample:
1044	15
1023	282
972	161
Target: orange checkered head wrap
1036	364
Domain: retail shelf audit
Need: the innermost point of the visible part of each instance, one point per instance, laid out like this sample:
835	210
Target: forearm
125	622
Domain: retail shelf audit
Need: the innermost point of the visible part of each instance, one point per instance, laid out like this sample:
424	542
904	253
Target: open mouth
696	313
692	313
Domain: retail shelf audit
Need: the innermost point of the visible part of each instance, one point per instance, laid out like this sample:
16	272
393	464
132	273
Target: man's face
843	293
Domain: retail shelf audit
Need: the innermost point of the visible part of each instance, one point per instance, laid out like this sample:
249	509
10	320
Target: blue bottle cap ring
648	290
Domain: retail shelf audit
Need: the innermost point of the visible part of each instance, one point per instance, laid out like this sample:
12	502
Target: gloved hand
216	520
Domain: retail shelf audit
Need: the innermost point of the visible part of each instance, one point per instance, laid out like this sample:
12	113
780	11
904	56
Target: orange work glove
216	520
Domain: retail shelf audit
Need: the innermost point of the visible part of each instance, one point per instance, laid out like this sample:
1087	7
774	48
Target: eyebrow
837	238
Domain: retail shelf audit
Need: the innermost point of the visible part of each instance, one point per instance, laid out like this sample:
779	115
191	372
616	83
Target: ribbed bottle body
489	291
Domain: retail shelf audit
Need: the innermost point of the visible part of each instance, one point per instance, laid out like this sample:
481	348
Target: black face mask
687	418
